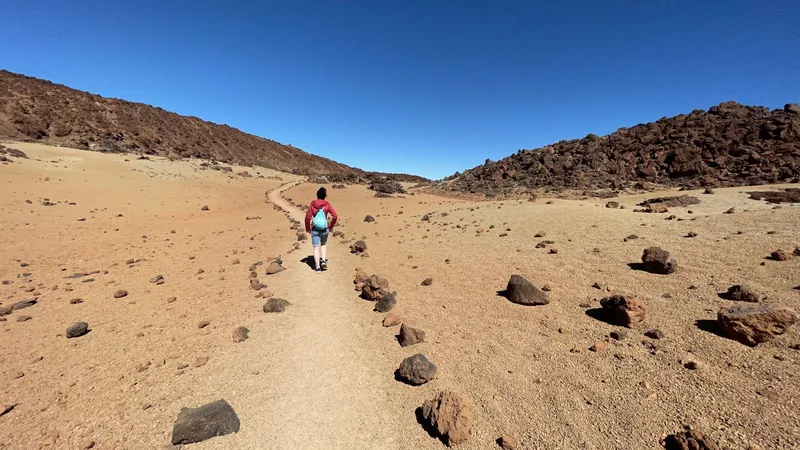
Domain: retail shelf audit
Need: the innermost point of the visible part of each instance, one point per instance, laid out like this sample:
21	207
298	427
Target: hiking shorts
319	237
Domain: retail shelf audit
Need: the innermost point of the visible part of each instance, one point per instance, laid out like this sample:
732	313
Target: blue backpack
320	221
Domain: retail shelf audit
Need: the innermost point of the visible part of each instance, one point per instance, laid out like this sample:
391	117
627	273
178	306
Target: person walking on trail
318	225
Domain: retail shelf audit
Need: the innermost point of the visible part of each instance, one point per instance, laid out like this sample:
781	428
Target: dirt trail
326	389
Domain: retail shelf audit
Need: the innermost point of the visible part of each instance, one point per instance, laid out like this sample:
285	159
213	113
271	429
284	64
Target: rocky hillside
38	110
727	145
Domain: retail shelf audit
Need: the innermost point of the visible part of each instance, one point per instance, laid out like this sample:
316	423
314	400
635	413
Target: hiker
318	226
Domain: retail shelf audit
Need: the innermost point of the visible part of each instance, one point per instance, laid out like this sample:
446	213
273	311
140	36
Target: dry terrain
322	373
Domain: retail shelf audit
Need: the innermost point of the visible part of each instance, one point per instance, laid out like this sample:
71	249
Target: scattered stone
523	292
598	347
374	287
23	304
203	324
23	318
654	334
301	236
275	267
677	202
612	205
618	335
743	293
256	285
386	303
780	255
658	260
623	310
171	299
5	310
689	440
427	281
425	218
691	234
76	301
410	336
208	421
540	234
159	279
752	325
276	305
204	208
392	320
416	370
691	365
507	442
450	416
369	219
120	293
240	334
630	237
358	247
77	329
7	409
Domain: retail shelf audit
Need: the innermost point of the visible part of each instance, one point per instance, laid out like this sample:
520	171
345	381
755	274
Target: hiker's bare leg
316	257
324	252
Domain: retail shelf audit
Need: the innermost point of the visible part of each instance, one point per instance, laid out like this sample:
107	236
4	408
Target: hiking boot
317	270
324	264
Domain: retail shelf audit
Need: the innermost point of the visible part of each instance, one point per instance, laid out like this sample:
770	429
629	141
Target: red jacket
315	206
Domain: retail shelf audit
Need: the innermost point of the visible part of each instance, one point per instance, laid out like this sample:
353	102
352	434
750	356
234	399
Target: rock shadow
638	266
602	315
711	326
432	431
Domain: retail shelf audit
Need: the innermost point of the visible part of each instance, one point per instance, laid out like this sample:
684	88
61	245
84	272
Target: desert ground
321	374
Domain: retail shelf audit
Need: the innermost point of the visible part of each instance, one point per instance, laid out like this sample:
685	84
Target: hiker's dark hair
322	193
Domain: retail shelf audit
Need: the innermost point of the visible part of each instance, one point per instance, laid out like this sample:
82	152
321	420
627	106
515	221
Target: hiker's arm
308	220
333	217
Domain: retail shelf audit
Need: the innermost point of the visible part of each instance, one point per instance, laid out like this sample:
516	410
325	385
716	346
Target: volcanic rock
386	302
207	421
521	291
449	415
358	247
780	255
392	320
658	260
77	329
410	336
752	325
22	304
374	287
416	370
727	145
743	293
623	310
276	305
274	267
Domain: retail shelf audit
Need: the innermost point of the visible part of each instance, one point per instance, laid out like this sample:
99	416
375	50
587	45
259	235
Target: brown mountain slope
727	145
34	109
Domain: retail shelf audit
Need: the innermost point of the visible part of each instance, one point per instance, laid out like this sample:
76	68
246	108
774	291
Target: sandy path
327	391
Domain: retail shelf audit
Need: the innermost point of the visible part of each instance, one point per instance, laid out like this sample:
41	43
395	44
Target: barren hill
41	111
727	145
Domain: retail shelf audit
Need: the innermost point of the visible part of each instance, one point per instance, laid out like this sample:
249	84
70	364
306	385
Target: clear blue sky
428	87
